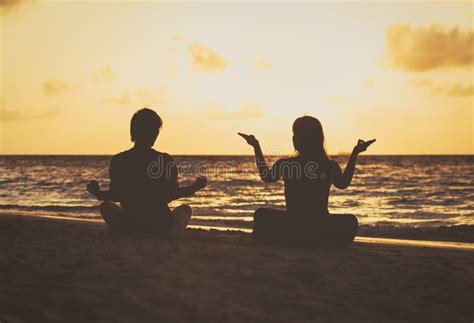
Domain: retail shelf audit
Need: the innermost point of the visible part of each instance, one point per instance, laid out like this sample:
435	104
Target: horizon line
237	155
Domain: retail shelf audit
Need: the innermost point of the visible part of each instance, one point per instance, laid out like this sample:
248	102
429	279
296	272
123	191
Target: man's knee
104	207
108	208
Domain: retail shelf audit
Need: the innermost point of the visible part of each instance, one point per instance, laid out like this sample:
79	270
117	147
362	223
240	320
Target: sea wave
418	191
52	208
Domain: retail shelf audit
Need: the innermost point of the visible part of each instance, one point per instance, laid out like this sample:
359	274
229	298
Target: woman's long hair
308	138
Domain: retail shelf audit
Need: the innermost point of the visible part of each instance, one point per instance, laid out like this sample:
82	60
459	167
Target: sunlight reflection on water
389	190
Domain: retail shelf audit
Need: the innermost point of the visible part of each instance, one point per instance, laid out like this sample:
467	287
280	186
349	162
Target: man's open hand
200	183
93	188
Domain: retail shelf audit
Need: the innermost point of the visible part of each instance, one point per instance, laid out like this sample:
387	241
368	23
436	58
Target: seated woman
144	181
308	177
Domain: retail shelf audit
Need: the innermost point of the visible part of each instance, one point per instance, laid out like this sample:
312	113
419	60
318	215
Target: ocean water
398	191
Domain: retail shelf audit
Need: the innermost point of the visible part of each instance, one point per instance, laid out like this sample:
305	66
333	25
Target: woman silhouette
308	177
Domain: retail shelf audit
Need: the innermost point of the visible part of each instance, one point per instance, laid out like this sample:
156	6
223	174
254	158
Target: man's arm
107	195
176	191
186	191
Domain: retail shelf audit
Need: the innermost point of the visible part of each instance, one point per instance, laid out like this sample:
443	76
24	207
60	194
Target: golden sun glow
73	73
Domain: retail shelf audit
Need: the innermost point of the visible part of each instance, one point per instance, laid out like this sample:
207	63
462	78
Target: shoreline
458	233
359	239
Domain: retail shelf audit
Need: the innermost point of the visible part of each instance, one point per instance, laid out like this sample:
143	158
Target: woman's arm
266	174
343	180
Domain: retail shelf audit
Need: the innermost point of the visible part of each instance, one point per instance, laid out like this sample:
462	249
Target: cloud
150	97
451	90
172	70
54	87
428	48
367	83
104	75
117	100
421	83
248	111
8	5
261	64
456	90
205	59
334	100
142	97
179	38
20	115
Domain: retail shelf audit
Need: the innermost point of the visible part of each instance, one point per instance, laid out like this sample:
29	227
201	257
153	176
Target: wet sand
75	271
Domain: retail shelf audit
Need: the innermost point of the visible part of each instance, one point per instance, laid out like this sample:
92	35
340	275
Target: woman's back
307	185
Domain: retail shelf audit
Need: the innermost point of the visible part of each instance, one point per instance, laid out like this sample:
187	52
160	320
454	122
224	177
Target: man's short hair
145	125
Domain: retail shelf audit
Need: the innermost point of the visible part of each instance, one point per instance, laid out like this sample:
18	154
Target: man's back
143	180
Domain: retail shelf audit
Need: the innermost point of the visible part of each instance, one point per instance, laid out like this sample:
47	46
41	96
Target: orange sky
73	73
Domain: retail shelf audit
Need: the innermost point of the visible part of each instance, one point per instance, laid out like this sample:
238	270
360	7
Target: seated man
144	181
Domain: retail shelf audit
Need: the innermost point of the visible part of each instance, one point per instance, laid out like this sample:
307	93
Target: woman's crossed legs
276	226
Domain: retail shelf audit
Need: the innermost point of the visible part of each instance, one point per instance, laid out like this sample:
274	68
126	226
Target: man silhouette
144	181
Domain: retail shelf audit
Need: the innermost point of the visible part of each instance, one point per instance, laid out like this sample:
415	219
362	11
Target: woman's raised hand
251	140
363	145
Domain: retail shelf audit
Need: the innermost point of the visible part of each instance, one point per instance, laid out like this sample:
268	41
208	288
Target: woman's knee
346	219
263	211
262	215
185	208
259	212
353	220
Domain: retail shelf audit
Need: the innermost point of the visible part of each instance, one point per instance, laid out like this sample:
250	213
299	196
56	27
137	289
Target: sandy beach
75	271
